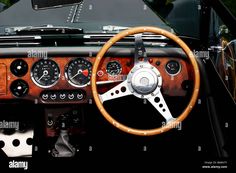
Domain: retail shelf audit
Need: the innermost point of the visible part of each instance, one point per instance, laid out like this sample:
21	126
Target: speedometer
45	73
78	72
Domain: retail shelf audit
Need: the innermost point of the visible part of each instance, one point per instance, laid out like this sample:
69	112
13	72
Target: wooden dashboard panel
3	79
172	85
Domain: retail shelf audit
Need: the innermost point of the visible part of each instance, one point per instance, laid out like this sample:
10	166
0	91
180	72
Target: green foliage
6	2
169	1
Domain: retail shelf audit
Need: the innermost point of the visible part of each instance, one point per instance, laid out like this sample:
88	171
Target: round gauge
173	67
113	68
19	67
45	73
78	72
19	88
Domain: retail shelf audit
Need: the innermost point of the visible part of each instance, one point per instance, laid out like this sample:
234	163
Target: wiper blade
48	29
110	28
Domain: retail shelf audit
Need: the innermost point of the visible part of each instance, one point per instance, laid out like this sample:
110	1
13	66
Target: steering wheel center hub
144	80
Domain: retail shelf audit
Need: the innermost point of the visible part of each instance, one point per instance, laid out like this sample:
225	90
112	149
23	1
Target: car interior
96	81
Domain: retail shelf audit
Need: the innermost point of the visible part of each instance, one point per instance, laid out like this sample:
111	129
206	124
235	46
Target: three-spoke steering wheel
144	81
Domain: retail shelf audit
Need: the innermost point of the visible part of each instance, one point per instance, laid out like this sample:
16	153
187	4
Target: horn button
144	80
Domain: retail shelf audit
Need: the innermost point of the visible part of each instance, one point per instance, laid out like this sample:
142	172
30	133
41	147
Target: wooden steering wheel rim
168	126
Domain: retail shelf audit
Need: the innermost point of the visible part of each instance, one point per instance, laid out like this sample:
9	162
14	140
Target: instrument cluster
67	79
56	79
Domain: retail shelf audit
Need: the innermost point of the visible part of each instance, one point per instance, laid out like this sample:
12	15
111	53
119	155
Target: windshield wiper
111	28
48	29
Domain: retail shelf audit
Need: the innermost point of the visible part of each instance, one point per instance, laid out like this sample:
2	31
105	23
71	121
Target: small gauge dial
45	73
19	67
113	68
173	67
78	72
19	88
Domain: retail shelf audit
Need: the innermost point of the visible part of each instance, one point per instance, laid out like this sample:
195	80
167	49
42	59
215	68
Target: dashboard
56	80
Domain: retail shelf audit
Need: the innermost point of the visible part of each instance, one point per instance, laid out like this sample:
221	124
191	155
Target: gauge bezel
113	62
13	68
180	68
23	94
69	80
43	86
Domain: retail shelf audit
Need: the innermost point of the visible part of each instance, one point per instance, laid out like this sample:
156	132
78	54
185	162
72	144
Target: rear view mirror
44	4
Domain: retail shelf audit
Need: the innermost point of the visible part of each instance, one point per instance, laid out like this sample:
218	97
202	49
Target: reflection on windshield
44	4
182	15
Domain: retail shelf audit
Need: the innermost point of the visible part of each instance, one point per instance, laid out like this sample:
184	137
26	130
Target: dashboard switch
44	96
71	96
62	96
100	73
53	96
80	96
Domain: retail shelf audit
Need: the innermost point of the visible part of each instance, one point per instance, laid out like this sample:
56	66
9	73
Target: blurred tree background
6	2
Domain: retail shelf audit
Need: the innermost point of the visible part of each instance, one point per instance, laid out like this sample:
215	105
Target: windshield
93	15
90	15
182	16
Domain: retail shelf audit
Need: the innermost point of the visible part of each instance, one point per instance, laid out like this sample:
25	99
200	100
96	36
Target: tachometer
113	68
45	73
78	72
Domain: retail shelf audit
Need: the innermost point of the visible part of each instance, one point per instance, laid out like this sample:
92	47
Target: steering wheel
144	81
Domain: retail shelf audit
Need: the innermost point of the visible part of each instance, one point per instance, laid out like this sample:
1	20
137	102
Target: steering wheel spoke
160	104
118	91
